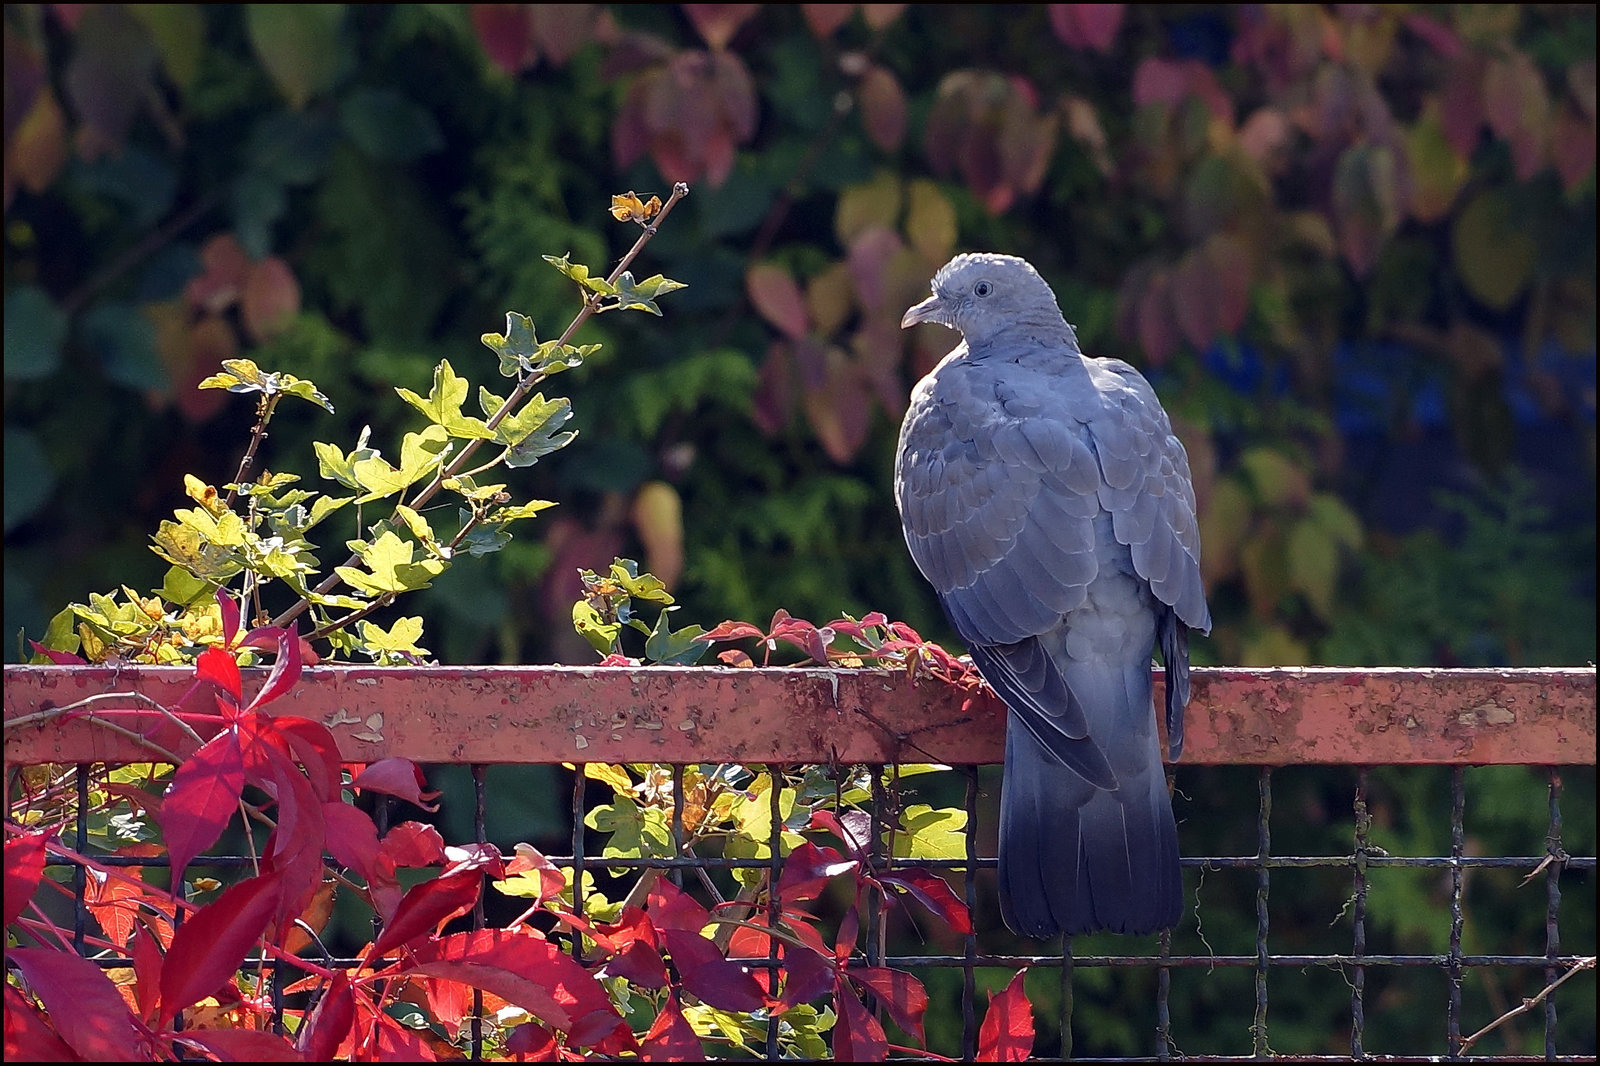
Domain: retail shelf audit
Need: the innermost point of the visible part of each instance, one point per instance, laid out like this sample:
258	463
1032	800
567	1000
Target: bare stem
1527	1004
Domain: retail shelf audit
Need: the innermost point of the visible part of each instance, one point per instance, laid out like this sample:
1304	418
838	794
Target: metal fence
1350	752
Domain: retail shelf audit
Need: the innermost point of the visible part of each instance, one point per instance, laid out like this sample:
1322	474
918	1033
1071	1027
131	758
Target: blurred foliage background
1353	246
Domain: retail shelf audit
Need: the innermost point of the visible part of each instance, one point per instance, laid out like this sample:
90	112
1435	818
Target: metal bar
480	807
549	714
1358	983
1458	840
1552	926
1258	1028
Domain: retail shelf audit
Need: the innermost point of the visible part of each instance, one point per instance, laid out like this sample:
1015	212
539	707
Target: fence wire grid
1196	993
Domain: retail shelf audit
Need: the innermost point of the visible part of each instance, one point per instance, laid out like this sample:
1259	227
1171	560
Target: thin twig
1527	1004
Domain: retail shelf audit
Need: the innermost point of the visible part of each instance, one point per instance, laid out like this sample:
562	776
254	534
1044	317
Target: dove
1046	499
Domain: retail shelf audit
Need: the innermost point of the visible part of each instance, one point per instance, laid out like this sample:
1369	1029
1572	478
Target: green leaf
443	405
125	341
931	833
30	478
515	347
183	545
386	125
600	634
398	640
390	568
1494	253
34	331
681	647
512	512
335	465
415	522
482	540
580	273
1313	558
646	587
545	439
322	508
298	44
183	588
641	296
242	375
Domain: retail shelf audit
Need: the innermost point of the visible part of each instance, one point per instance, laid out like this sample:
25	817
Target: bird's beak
930	310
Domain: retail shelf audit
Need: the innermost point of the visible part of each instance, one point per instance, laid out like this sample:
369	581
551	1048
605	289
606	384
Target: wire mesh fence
1420	907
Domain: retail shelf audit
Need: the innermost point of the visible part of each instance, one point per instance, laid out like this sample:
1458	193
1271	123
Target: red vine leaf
857	1036
24	871
29	1037
671	1038
1007	1031
714	980
352	838
211	944
322	1033
808	869
899	993
201	800
430	904
85	1008
243	1045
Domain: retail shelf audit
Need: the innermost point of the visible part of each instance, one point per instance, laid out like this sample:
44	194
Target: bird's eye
982	288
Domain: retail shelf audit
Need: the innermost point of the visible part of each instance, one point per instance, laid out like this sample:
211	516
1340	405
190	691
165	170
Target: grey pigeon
1046	499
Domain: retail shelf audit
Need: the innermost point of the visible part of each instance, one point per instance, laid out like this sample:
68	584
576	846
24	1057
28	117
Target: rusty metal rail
551	714
1282	723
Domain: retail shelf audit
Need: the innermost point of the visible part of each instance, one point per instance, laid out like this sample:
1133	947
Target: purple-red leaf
857	1036
285	669
521	967
217	666
934	893
806	975
211	944
778	299
1007	1031
428	904
230	616
352	838
24	870
60	658
670	907
29	1037
671	1038
85	1008
202	798
322	1033
243	1045
711	978
808	869
898	992
313	744
397	777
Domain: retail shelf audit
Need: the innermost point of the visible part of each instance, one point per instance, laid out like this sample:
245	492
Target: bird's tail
1076	858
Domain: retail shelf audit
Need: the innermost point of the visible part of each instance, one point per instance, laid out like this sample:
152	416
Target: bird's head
982	293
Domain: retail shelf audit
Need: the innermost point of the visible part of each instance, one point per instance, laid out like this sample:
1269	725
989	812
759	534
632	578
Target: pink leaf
398	777
778	299
717	23
271	298
1007	1031
806	975
883	108
1087	25
24	871
824	20
59	658
201	800
211	944
504	34
85	1008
